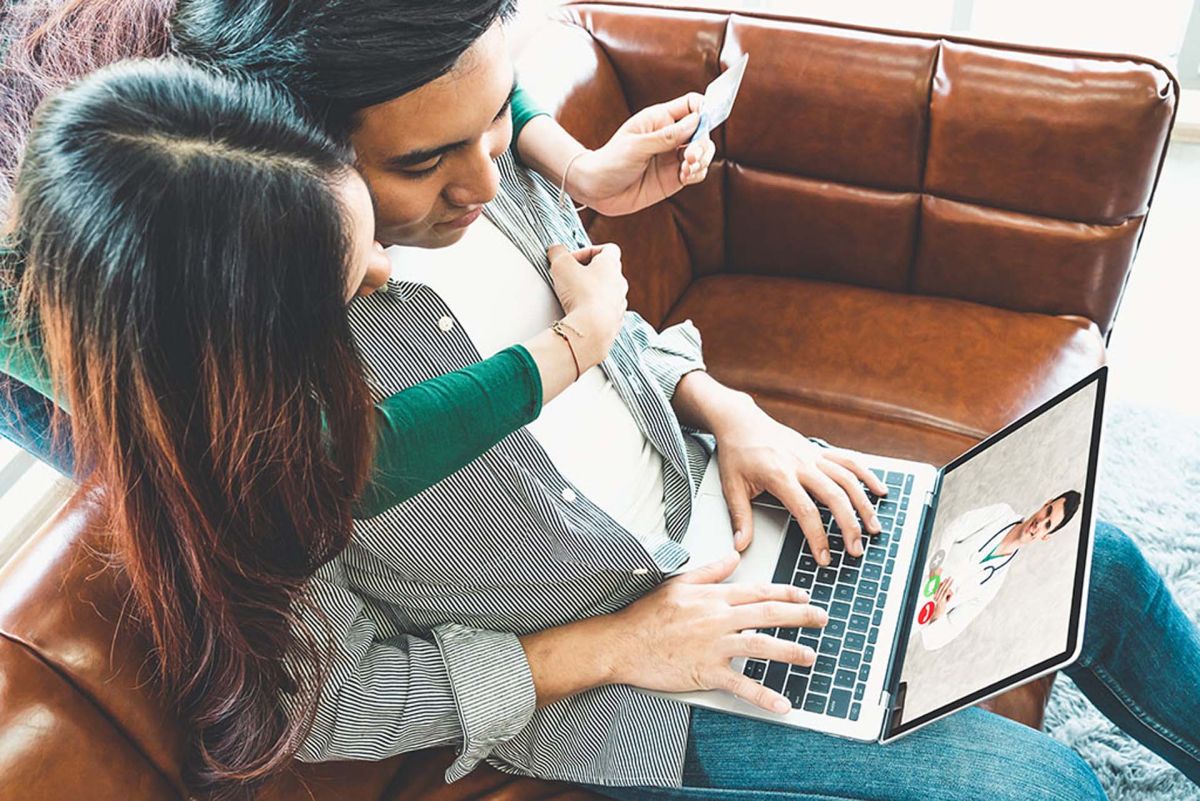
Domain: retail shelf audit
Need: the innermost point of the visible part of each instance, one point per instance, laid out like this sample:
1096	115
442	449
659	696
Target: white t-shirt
587	431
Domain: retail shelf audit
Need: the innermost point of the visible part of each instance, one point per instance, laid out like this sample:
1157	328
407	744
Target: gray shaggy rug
1148	485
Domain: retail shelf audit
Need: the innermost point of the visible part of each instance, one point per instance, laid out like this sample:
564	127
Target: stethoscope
991	569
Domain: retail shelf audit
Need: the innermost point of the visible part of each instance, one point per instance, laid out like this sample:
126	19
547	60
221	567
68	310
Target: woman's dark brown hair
45	45
185	258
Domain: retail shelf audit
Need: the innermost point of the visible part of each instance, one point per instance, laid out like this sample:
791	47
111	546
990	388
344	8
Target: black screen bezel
1099	377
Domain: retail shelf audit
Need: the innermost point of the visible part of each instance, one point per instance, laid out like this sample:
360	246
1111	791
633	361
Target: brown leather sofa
905	242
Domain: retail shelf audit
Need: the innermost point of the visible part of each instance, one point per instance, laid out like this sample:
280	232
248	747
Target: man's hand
643	162
759	454
682	636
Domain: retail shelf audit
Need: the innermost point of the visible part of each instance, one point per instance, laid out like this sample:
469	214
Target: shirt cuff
674	353
533	383
493	690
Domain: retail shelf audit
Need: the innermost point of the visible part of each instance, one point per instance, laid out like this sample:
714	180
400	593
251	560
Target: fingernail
781	706
823	557
807	653
822	617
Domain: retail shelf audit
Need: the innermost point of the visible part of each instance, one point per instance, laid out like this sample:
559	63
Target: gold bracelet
562	189
561	328
571	328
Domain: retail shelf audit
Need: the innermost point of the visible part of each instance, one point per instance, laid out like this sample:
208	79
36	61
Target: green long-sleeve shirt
524	109
423	433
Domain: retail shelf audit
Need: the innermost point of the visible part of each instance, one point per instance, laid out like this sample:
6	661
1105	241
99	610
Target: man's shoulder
970	521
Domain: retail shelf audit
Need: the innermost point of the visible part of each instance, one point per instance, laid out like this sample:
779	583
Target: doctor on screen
971	561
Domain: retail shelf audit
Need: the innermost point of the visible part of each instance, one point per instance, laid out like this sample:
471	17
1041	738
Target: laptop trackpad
710	538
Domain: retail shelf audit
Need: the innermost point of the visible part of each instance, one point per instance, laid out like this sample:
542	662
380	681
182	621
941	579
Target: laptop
977	583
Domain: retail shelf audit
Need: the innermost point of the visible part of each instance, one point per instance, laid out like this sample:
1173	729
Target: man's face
429	156
1045	520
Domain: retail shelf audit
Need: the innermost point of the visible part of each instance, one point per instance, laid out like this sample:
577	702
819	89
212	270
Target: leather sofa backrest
913	163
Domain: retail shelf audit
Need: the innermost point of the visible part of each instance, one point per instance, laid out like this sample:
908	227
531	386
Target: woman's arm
647	160
434	428
20	340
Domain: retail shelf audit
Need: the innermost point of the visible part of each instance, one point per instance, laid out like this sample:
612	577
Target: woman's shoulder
11	265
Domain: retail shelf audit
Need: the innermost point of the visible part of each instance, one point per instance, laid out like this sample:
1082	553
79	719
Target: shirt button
640	571
446	323
568	495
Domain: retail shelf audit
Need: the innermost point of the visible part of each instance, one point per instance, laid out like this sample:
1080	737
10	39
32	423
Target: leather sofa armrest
58	744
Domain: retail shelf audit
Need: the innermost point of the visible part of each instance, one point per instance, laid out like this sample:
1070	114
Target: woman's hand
682	636
592	291
643	162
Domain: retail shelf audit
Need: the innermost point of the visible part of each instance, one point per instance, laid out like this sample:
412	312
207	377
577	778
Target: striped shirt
421	613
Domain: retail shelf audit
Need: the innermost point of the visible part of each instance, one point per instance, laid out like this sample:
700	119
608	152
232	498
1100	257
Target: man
512	609
972	558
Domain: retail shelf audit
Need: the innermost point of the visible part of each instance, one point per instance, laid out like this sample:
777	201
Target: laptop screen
1000	596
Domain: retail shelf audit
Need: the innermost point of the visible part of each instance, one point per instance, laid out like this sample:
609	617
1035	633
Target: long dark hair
339	56
185	252
45	45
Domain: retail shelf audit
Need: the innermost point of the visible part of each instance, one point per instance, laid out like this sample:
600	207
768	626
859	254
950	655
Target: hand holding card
719	97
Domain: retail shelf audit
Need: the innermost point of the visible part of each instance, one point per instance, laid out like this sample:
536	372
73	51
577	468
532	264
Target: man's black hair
336	56
1070	500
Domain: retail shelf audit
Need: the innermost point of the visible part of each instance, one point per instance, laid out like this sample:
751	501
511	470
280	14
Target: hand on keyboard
855	591
683	635
759	454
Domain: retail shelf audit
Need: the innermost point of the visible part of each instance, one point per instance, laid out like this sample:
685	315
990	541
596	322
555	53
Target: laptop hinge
891	681
897	706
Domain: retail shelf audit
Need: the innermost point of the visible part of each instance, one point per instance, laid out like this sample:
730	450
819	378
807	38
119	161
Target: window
29	493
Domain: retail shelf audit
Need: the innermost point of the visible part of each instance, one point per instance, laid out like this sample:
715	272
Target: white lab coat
967	542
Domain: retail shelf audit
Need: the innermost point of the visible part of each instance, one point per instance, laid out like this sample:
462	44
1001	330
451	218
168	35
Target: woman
185	246
50	43
523	661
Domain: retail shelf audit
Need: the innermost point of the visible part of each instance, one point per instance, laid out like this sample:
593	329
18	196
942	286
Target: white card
719	97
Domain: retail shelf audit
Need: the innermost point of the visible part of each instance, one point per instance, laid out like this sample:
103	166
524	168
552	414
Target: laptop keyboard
853	590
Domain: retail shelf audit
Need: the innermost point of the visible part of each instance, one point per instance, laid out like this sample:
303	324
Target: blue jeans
1140	666
25	417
